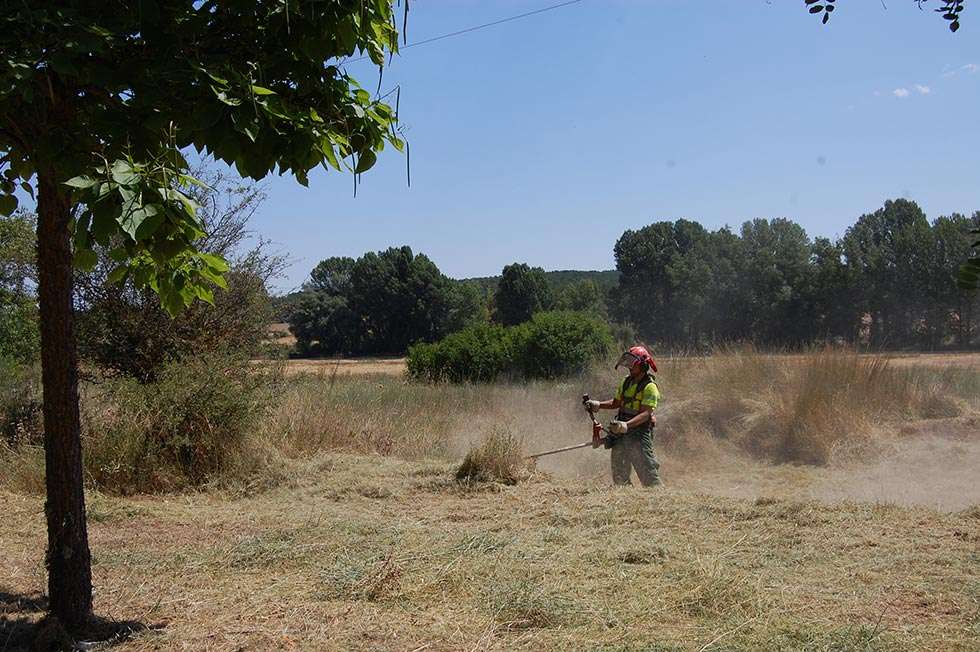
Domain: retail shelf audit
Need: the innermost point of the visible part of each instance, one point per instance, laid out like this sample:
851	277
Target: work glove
618	427
592	406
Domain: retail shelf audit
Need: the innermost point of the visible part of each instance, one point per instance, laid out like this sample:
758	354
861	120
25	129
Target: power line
496	22
484	26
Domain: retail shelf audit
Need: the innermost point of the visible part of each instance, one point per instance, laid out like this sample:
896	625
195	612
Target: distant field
347	367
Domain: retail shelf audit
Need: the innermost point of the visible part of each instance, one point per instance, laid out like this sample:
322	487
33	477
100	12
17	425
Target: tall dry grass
802	409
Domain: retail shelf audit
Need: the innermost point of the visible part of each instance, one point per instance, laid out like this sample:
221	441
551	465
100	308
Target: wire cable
491	24
483	26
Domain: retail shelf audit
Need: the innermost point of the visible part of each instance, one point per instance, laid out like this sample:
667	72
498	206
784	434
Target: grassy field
358	536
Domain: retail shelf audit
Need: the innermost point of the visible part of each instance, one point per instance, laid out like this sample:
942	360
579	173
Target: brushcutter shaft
597	438
561	450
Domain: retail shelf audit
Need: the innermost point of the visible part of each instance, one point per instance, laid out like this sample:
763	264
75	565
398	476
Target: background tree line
888	282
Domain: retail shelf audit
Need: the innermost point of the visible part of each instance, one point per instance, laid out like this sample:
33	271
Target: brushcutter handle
597	438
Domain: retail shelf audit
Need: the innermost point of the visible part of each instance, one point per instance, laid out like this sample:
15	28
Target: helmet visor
627	360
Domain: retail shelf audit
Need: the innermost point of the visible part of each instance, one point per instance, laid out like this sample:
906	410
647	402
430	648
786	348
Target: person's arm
646	414
611	404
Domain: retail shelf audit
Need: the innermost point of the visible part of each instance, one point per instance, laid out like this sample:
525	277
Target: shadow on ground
25	626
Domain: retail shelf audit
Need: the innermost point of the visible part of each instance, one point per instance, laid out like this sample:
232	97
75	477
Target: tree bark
68	558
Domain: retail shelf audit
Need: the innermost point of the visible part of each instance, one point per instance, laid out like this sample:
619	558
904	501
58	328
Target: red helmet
637	355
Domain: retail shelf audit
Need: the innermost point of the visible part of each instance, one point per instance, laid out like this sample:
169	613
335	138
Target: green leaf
8	204
81	182
330	155
215	263
81	238
85	259
150	223
204	294
131	221
118	275
28	188
104	224
119	254
366	161
123	173
261	90
172	302
188	293
215	278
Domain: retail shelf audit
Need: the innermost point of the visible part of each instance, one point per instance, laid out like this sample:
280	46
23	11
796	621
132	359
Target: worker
632	431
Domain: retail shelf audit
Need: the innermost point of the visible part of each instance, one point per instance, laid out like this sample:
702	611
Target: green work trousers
634	450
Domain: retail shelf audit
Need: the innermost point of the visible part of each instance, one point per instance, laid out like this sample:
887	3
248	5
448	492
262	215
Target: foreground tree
124	329
97	101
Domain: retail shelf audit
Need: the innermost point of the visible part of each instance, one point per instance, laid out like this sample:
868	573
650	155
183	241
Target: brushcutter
597	438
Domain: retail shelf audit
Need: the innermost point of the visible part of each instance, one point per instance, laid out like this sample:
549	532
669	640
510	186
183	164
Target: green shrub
550	345
480	352
20	336
21	421
556	344
197	422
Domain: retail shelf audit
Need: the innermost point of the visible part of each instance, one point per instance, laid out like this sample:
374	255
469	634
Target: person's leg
619	458
643	460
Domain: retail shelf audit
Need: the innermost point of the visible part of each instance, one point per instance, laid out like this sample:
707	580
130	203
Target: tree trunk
68	559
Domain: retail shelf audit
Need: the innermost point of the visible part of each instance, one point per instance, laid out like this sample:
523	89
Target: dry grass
362	538
801	412
500	458
543	565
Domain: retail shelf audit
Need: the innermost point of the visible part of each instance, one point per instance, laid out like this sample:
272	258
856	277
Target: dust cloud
933	464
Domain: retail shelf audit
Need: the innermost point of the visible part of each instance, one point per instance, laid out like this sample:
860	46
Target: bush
21	421
556	344
551	345
20	335
196	422
481	352
123	329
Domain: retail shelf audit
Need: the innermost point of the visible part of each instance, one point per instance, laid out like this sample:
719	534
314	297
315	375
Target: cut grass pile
500	458
324	562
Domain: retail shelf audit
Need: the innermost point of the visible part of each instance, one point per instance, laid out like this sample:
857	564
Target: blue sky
542	140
